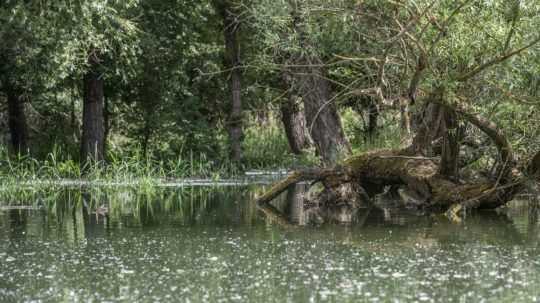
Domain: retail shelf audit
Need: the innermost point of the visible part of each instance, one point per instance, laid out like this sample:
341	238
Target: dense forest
436	92
269	150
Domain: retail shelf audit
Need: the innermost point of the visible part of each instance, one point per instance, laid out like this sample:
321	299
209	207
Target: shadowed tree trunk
450	144
106	122
93	134
294	122
146	138
310	83
323	122
149	92
232	59
18	127
373	117
533	169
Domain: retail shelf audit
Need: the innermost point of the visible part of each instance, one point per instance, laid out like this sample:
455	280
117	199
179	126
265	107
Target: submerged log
359	178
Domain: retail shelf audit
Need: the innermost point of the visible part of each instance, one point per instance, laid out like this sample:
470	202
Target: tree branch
494	61
490	129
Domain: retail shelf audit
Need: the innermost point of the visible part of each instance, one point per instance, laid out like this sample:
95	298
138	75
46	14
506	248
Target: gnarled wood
374	170
434	181
507	158
311	83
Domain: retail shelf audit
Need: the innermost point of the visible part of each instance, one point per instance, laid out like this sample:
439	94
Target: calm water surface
212	245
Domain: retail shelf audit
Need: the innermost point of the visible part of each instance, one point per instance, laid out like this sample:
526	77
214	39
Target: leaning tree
448	60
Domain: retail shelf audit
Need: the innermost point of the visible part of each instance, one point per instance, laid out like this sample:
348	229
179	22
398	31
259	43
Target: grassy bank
265	148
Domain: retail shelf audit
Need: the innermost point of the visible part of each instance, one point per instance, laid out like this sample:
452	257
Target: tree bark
106	122
323	121
93	134
373	117
149	101
405	122
428	128
322	118
533	168
232	58
450	144
294	122
18	127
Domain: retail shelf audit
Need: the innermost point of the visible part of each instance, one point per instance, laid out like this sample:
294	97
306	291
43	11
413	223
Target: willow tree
437	45
290	34
107	39
294	122
50	42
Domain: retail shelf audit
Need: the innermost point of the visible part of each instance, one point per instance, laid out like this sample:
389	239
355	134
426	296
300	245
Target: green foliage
167	91
123	168
266	147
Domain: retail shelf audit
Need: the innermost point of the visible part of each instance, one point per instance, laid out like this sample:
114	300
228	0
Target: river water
215	245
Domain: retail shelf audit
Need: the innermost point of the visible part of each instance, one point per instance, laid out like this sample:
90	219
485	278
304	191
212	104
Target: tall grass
118	167
388	134
265	148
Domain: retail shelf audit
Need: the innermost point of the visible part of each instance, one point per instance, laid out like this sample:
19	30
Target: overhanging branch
494	61
489	128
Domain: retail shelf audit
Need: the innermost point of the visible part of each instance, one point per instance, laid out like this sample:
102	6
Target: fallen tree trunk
359	178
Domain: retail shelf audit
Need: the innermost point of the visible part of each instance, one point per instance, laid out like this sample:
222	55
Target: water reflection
78	215
204	244
294	206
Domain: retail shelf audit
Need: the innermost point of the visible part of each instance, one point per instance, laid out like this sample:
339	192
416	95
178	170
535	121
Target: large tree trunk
428	123
310	83
149	102
439	135
17	121
232	57
322	118
294	122
93	134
